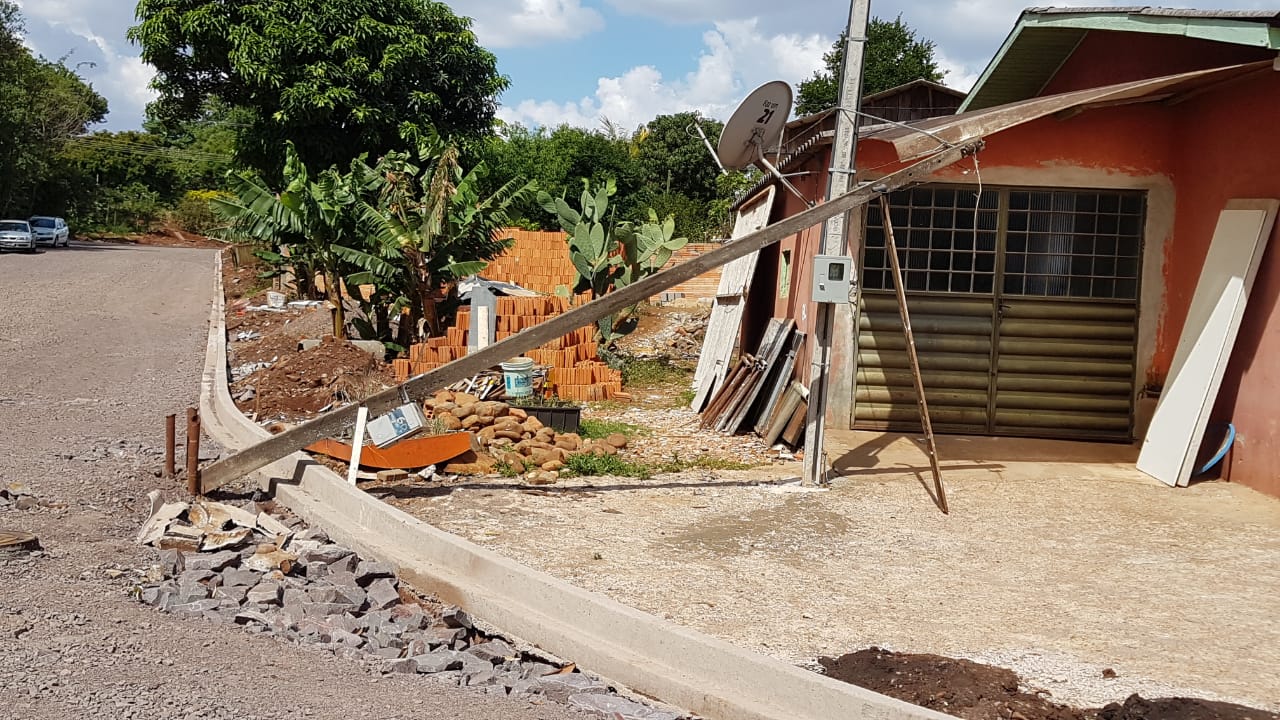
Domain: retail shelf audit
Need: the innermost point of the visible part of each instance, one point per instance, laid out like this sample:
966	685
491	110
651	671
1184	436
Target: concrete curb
674	664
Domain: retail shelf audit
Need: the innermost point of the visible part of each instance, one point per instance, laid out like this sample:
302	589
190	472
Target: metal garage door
1024	307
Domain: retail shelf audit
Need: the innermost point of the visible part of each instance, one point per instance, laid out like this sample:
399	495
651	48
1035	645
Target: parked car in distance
17	235
51	231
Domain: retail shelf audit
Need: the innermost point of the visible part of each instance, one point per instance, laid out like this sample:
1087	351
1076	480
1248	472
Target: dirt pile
1137	707
974	691
305	382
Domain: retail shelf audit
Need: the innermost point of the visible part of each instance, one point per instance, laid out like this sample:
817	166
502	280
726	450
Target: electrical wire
153	151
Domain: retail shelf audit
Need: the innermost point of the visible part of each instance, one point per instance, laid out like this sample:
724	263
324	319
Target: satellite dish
756	126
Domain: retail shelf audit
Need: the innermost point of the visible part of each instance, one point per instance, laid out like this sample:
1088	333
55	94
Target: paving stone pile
304	588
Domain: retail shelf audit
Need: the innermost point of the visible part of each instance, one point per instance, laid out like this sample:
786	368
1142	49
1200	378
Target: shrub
194	212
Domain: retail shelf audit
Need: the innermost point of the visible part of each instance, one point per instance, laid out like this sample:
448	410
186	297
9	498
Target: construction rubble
238	566
511	436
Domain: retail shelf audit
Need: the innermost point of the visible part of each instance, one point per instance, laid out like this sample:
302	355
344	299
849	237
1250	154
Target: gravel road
97	344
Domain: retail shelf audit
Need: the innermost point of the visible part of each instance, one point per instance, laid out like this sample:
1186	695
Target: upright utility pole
834	238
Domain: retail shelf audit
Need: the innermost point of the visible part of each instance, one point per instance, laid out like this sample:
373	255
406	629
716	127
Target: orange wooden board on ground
410	453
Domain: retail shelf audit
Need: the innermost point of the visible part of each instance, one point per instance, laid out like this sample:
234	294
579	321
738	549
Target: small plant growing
600	429
586	464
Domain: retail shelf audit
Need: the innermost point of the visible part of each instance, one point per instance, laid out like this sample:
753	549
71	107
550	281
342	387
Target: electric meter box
831	278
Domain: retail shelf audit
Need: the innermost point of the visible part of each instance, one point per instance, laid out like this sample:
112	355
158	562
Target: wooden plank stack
575	371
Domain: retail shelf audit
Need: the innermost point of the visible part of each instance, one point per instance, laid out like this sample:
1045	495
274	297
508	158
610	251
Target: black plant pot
561	419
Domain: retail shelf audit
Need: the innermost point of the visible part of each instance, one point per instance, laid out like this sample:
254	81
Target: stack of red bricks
538	261
575	370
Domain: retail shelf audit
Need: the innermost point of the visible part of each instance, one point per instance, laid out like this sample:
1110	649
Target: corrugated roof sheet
929	136
1260	15
1044	37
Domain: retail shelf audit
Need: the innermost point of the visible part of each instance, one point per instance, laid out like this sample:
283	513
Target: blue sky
578	61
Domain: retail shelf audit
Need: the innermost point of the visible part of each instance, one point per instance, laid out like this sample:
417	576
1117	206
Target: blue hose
1222	451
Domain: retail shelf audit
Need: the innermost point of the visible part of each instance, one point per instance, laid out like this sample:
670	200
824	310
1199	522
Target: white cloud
736	57
91	33
513	23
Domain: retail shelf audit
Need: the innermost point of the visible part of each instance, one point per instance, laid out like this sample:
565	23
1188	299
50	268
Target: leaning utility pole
835	236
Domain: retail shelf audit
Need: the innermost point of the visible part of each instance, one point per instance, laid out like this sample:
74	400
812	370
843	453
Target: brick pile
575	371
538	261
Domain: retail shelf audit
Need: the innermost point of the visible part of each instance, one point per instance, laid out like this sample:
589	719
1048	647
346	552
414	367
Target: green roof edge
1238	32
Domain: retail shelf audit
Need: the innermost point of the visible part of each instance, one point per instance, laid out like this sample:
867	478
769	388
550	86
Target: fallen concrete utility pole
336	422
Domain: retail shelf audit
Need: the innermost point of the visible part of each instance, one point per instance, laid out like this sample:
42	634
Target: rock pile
18	496
304	588
510	436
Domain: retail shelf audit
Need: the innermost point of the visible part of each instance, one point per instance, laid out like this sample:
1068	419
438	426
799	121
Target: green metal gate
1024	308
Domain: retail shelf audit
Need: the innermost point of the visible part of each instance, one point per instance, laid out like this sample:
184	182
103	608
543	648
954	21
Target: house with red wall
1049	276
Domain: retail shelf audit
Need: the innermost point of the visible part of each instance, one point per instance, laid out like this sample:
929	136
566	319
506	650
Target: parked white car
17	235
51	231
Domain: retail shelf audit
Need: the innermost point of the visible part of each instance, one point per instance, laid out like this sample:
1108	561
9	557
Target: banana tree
300	225
428	225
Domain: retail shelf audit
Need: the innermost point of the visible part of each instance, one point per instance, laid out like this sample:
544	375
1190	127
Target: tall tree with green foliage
338	79
557	159
893	57
43	104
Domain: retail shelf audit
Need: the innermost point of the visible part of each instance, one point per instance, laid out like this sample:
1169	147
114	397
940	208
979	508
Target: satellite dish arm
760	158
698	126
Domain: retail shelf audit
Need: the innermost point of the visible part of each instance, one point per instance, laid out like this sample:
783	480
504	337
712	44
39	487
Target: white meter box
832	277
396	425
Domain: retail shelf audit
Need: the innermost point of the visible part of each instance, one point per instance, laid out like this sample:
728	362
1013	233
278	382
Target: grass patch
600	429
686	397
506	470
652	373
587	464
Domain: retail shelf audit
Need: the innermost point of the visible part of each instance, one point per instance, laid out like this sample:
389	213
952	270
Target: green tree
680	176
557	160
337	79
42	105
302	226
430	223
117	181
205	145
893	57
672	157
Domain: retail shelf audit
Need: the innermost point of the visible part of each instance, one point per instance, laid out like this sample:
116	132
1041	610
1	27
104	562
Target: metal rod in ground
170	443
891	247
193	451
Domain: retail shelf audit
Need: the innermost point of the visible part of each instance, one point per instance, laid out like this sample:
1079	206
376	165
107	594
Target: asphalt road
97	344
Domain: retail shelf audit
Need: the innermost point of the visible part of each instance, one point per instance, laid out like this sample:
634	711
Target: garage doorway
1024	306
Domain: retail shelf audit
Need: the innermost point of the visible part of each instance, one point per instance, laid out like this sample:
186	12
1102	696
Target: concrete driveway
1058	560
